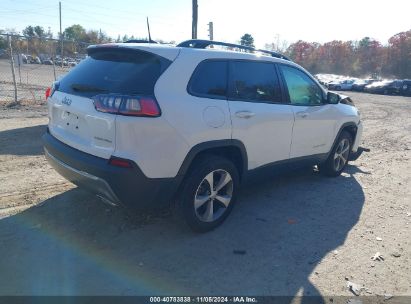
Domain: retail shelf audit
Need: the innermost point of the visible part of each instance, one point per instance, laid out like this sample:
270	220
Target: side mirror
333	98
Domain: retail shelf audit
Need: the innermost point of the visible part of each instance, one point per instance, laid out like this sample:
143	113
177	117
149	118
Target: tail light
48	93
145	106
52	89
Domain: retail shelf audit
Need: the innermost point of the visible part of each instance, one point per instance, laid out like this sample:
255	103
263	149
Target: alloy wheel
213	195
341	154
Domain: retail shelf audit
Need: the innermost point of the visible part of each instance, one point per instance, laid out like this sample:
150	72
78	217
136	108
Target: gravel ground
299	234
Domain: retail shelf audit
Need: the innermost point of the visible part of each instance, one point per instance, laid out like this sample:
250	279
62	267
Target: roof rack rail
140	41
202	44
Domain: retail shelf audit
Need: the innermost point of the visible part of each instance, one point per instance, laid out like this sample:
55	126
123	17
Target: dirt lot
293	235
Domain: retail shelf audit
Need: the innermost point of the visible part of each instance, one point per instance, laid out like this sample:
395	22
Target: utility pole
211	30
61	37
195	20
148	29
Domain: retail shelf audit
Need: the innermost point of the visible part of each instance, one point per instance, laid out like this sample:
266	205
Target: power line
127	12
27	10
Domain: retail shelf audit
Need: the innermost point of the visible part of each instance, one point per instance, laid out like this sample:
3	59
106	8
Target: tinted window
112	70
210	79
301	88
255	81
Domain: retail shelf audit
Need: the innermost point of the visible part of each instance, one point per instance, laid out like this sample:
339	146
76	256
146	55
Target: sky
267	21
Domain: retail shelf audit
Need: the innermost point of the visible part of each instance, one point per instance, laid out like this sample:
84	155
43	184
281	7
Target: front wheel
338	158
208	193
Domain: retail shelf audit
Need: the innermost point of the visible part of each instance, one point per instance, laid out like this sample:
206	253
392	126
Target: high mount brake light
127	105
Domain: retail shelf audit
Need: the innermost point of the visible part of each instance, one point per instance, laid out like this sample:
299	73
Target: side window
255	81
210	79
301	88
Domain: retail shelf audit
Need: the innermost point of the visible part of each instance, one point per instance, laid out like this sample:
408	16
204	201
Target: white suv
146	124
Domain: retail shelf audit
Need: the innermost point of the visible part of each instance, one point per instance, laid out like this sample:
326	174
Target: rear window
115	70
210	80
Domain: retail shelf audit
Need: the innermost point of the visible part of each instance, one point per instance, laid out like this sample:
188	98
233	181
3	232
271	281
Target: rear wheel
338	157
209	193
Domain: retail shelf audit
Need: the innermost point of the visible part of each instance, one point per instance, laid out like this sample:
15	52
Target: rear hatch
109	70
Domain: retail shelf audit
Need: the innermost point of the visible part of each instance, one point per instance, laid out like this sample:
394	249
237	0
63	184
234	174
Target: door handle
244	114
302	114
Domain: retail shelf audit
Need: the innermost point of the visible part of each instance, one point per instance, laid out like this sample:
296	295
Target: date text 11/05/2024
239	299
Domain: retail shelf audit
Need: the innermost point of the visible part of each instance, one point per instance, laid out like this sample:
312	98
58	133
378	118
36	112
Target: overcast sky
291	20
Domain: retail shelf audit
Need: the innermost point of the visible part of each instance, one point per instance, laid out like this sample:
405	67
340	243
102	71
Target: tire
338	158
202	208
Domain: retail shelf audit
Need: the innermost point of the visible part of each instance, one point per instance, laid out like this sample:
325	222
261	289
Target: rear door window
115	70
254	82
209	80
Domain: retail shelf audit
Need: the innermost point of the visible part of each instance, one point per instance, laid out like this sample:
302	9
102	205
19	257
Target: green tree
92	37
29	31
247	40
39	31
75	32
34	31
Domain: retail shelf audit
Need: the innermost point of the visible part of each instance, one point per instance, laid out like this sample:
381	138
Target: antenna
148	28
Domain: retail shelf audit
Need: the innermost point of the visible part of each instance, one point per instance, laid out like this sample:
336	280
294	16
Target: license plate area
71	121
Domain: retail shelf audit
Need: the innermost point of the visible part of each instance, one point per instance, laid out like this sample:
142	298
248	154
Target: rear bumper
115	185
83	179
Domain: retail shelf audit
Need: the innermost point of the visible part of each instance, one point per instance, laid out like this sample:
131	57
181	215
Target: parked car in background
360	84
48	62
3	54
386	87
406	87
71	63
344	85
35	60
60	62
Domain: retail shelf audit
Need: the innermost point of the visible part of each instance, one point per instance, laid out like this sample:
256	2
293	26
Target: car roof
171	52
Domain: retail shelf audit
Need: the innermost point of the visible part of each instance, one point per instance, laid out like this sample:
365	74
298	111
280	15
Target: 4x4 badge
66	101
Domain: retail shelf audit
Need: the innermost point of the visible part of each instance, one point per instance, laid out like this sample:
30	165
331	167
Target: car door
260	118
315	121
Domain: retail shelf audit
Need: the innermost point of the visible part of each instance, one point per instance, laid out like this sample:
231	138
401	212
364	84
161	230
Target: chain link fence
29	65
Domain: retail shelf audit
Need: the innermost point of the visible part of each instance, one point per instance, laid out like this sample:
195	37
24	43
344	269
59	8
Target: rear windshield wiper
86	88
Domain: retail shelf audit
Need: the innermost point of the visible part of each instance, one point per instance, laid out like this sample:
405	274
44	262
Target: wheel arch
232	149
350	127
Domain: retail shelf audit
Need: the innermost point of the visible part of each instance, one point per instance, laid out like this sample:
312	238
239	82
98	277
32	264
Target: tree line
364	58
